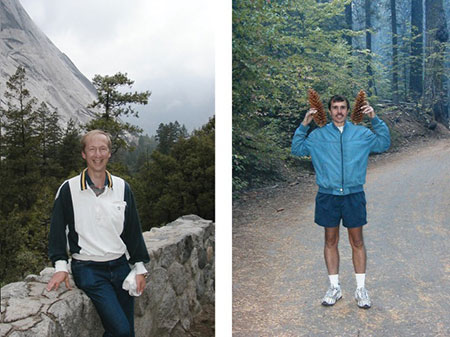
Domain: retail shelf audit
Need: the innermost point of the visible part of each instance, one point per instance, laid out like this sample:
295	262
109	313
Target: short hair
338	98
93	133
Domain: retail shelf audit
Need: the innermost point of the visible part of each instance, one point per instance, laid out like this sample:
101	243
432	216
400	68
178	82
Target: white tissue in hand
130	283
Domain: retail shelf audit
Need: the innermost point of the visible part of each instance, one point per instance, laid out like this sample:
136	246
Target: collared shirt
95	227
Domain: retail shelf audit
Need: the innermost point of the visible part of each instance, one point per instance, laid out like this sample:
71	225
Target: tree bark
436	97
367	11
416	64
394	53
349	22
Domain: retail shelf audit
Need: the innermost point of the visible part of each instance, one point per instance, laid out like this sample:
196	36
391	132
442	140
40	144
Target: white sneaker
362	298
332	295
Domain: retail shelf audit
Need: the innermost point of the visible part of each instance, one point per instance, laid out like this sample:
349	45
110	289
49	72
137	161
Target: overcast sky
166	47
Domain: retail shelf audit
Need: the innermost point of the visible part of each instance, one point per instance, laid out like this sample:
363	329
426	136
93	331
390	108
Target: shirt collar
345	124
85	180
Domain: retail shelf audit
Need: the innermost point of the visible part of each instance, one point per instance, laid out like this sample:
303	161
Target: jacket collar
85	180
336	128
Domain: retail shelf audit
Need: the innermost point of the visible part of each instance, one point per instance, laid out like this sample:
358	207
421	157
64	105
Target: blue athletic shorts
330	209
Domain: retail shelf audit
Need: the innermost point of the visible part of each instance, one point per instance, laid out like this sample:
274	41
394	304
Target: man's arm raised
298	146
382	139
368	110
309	117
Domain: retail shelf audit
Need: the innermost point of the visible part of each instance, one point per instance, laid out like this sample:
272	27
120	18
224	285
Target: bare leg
355	236
331	251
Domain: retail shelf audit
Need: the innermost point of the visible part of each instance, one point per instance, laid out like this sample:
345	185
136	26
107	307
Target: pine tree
179	183
3	175
416	81
368	26
195	156
21	145
437	35
395	60
69	151
157	191
49	135
114	104
169	134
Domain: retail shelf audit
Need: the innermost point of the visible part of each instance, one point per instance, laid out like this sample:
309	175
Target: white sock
334	280
360	280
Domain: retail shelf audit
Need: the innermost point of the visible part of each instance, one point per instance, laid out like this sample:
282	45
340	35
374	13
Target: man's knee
357	243
331	241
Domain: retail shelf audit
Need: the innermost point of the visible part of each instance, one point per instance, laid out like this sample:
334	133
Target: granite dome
52	77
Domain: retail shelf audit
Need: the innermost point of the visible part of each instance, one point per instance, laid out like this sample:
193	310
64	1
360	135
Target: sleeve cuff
140	269
375	120
61	265
303	128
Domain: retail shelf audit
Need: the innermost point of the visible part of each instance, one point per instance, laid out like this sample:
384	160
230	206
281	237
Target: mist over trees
397	51
170	173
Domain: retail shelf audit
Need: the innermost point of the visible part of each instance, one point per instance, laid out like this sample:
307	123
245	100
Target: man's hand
56	279
309	117
140	283
368	110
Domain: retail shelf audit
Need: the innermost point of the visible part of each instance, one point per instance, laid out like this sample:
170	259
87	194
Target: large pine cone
360	101
320	117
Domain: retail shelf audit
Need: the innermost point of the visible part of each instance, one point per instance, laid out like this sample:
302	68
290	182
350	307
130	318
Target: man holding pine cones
339	151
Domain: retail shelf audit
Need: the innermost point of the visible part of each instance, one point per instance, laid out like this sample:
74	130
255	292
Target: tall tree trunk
348	37
394	53
349	22
367	11
436	97
416	65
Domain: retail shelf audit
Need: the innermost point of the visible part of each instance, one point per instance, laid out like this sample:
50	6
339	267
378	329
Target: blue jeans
102	283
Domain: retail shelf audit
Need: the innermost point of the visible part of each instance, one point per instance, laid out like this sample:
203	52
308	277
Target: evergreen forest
171	173
397	51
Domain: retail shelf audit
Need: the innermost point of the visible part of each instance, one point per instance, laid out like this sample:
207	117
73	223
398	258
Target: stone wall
180	286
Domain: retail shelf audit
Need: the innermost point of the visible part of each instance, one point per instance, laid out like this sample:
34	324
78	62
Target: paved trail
279	275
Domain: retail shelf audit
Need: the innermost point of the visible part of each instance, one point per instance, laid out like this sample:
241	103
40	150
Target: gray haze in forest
165	47
382	30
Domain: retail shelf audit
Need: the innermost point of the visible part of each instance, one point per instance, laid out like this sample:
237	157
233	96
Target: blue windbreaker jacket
340	159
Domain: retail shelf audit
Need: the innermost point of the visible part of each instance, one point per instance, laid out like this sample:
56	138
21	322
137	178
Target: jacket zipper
342	163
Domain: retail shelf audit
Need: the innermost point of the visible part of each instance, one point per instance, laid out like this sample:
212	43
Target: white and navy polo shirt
95	228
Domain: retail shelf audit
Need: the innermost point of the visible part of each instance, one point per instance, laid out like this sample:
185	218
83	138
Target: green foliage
20	141
69	150
168	134
255	153
196	159
29	176
24	238
114	103
178	183
156	188
280	49
48	134
9	246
